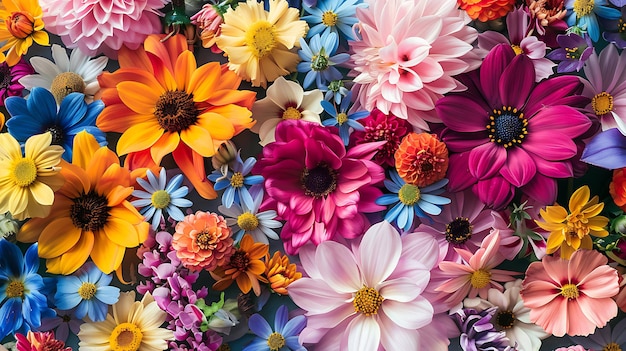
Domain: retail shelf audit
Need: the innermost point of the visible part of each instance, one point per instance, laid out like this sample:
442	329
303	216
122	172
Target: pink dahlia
321	190
507	132
367	297
103	26
406	56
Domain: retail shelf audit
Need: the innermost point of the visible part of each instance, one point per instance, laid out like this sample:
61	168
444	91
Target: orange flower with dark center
486	10
280	272
421	159
245	267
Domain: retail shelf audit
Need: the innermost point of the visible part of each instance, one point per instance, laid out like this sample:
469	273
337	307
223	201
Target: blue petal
429	208
11	316
11	260
42	105
294	326
72	110
108	294
606	150
259	326
257	345
31	260
281	318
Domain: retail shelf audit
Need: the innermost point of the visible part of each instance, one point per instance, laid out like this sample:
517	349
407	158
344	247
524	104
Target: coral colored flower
571	231
39	341
244	266
617	188
511	133
261	45
20	24
405	72
280	272
163	103
10	84
571	297
209	21
321	190
203	241
486	10
421	159
112	24
91	216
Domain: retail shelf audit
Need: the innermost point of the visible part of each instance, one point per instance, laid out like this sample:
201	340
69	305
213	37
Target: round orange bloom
617	188
421	159
245	267
280	272
203	241
486	10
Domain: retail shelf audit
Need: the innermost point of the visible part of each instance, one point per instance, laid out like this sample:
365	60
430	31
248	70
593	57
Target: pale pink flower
572	348
406	56
370	296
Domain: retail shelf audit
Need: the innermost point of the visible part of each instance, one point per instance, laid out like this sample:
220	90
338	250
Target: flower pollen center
125	337
507	126
367	301
175	111
612	347
319	181
65	84
459	230
23	172
15	289
583	7
329	18
505	319
480	278
292	113
261	38
275	341
236	181
602	103
206	239
342	118
319	62
160	199
87	290
621	26
409	194
517	49
570	291
247	221
240	260
89	211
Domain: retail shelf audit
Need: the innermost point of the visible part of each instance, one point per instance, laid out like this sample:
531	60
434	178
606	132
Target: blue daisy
236	182
284	336
39	113
336	16
318	59
344	121
583	14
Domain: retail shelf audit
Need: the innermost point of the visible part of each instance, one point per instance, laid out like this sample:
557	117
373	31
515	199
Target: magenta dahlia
506	132
321	190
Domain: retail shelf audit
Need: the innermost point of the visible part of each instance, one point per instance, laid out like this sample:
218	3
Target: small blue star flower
336	16
584	13
236	181
334	90
344	121
283	337
318	59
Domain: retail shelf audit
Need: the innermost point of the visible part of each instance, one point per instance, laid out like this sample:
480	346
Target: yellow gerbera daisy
130	326
570	231
21	23
28	183
260	44
91	216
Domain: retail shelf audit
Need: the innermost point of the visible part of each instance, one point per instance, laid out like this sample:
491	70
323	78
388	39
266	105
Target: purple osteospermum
510	132
573	52
477	332
283	337
9	79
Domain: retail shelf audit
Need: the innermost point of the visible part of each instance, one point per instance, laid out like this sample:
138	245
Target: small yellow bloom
570	231
21	23
280	272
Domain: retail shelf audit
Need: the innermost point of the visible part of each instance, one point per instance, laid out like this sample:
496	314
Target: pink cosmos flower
370	296
103	26
319	188
510	132
406	56
571	297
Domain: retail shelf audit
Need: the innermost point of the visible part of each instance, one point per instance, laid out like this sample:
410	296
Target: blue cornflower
334	90
412	201
283	337
342	119
236	182
39	114
23	303
583	14
318	59
88	290
159	197
332	16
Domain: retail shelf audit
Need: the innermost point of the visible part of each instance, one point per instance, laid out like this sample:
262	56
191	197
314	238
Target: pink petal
403	289
495	192
542	189
519	168
409	315
491	71
315	296
379	251
554	169
539	293
395	338
582	263
552	317
514	85
363	334
463	114
486	160
602	282
596	312
338	267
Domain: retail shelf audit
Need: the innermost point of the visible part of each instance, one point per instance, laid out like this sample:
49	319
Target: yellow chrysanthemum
570	231
28	182
260	44
21	23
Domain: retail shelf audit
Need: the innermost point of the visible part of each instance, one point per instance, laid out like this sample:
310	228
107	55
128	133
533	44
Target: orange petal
140	98
185	66
192	165
85	146
73	259
134	59
118	118
238	97
139	137
203	81
219	126
244	283
164	146
76	180
118	194
199	139
58	237
126	212
101	161
109	255
121	232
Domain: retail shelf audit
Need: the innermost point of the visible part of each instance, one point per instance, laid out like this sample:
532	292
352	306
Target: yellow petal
109	255
199	140
139	97
58	237
42	193
219	127
185	66
85	146
204	80
579	198
139	137
73	259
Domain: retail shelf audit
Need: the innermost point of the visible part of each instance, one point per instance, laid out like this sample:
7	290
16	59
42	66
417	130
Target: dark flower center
240	260
505	319
507	126
319	181
176	111
459	230
5	77
57	134
621	26
89	211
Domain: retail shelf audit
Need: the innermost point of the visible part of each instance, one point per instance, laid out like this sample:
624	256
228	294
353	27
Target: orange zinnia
421	159
486	10
159	97
245	267
91	216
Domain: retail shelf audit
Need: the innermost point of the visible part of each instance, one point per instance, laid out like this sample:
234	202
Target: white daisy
76	73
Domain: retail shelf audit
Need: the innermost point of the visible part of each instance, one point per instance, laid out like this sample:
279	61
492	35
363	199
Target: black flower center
459	230
319	181
5	76
505	319
89	211
240	260
176	111
57	134
507	126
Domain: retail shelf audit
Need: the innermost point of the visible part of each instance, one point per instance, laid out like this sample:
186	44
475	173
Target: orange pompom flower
280	272
617	188
203	241
245	267
421	159
486	10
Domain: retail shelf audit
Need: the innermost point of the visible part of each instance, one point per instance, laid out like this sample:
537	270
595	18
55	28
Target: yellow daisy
130	326
28	182
570	231
21	23
260	44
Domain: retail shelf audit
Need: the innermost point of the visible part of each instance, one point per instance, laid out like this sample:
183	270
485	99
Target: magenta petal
551	145
519	168
461	142
542	189
565	119
486	160
557	169
491	71
550	91
517	82
458	172
495	192
463	114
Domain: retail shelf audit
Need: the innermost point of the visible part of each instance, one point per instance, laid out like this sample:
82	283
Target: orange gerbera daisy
91	216
21	23
421	159
245	267
163	103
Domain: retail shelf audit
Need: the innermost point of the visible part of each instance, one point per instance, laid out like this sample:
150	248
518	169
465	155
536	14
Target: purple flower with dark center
574	50
477	332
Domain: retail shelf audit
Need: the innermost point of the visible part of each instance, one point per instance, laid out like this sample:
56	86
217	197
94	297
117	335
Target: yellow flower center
23	172
583	7
612	347
480	278
602	103
570	291
125	337
518	50
275	341
160	199
409	194
292	113
342	118
87	291
206	240
65	84
367	301
261	38
329	18
236	181
15	289
175	111
247	221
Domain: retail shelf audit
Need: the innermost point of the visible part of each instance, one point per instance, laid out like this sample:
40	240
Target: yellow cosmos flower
91	216
28	182
260	44
570	231
21	23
